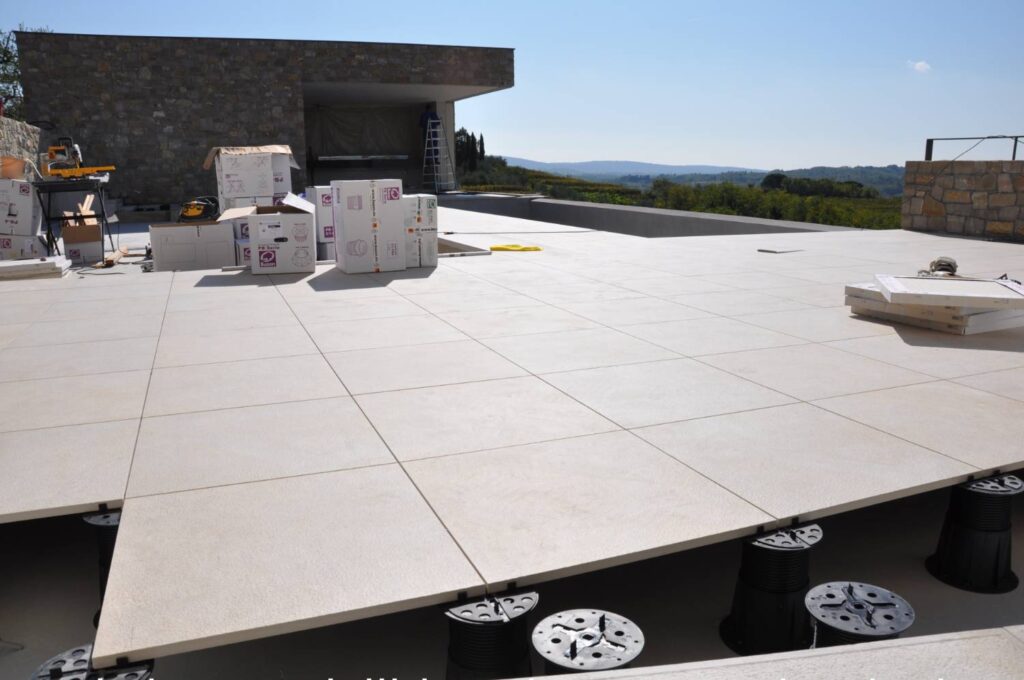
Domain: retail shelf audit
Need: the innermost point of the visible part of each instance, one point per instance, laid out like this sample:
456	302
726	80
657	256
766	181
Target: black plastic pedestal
106	524
74	664
489	638
768	613
975	544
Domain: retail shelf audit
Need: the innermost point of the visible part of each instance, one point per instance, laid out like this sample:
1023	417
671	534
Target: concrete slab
215	566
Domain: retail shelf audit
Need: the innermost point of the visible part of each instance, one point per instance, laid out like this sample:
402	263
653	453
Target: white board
940	291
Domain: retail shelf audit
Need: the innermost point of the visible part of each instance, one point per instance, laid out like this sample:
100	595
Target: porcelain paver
232	563
195	450
571	350
801	460
435	421
588	501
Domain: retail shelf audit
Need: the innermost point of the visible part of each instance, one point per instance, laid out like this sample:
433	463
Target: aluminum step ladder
438	170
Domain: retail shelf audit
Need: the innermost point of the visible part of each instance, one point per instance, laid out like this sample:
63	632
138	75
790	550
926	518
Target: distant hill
619	168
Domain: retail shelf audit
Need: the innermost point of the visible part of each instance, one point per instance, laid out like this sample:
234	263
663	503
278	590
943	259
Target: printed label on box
390	194
355	203
325	199
268	258
6	243
329	231
24	189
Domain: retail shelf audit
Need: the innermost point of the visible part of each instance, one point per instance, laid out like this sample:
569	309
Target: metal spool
847	612
74	664
490	634
767	613
586	640
974	549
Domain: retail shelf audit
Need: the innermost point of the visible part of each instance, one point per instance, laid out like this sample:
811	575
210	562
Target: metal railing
930	143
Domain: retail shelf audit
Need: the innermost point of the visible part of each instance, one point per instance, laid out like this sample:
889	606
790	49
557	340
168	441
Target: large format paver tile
99	328
312	310
97	309
979	428
396	331
9	331
663	391
182	389
732	303
435	421
562	507
814	371
710	336
941	354
82	358
630	311
398	368
205	568
820	325
1004	383
240	317
493	323
800	460
571	350
667	286
51	402
63	470
237	345
468	300
195	450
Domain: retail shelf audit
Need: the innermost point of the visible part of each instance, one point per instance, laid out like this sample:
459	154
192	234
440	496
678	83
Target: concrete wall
974	198
633	220
18	139
155	106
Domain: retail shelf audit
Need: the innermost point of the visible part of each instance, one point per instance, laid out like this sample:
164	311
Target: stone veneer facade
18	139
973	198
155	106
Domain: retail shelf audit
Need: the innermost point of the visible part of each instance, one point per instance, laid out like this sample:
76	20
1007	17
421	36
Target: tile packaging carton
251	175
19	210
242	252
239	176
369	222
321	197
420	230
282	238
20	247
83	243
192	245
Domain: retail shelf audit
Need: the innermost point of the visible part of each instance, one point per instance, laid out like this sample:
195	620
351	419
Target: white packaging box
322	198
240	225
281	169
239	176
369	225
420	230
19	210
15	247
242	252
243	201
325	252
282	238
192	245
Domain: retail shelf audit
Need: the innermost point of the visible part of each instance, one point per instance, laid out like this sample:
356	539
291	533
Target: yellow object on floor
515	248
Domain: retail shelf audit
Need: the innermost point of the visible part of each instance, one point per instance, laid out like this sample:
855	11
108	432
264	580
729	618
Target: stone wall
974	198
155	106
18	139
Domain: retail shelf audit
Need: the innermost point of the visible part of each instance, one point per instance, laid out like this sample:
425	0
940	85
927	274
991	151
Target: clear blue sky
787	84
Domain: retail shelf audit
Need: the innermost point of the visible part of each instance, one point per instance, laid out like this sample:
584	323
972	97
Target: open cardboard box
282	238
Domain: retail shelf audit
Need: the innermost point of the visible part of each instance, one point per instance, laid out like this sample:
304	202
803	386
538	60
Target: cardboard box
247	171
322	198
243	201
15	247
83	243
239	225
19	210
192	245
420	230
325	252
242	252
369	222
282	238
